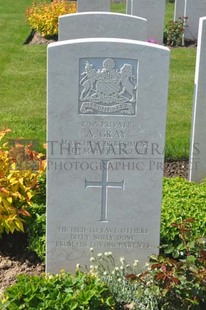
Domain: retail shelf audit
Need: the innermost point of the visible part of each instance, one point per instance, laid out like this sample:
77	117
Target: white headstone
154	12
198	145
98	24
129	6
179	9
106	119
93	5
194	9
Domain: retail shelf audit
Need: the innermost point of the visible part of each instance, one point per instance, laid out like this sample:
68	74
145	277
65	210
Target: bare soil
15	259
36	38
176	168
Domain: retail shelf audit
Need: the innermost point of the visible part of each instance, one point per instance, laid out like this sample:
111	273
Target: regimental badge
108	86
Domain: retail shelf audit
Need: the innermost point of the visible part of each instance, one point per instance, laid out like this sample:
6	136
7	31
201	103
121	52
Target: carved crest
107	89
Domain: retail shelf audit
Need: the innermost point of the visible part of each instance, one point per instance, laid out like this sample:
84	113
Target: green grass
169	12
181	87
118	7
23	81
22	75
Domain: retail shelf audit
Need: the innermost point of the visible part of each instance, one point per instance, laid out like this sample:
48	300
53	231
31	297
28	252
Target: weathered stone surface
106	136
93	5
102	24
198	145
193	10
179	9
153	11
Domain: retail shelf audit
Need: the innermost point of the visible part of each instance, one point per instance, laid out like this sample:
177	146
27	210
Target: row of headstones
106	118
193	10
152	10
195	29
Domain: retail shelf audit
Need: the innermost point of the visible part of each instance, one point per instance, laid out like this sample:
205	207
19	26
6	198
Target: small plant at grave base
182	200
40	197
58	292
36	223
181	283
18	183
36	230
43	17
126	286
173	32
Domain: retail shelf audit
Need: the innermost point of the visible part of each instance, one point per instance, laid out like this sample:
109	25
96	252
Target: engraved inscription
104	184
108	87
103	237
103	244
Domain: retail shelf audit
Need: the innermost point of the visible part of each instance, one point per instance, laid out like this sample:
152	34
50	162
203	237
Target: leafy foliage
165	283
43	17
182	200
173	32
36	223
40	197
124	281
36	230
18	181
181	283
60	292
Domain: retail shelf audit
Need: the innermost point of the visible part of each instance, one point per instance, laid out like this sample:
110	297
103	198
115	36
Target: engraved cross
104	184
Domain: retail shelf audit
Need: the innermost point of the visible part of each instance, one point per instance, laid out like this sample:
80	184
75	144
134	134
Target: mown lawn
23	81
22	75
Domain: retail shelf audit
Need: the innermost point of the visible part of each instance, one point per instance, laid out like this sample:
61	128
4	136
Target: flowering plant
43	17
18	183
130	288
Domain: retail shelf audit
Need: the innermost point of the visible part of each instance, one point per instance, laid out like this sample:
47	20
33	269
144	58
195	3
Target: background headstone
99	24
198	140
118	1
154	12
106	118
179	9
129	6
93	5
193	10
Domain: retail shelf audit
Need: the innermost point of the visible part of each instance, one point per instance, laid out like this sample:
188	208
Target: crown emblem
107	90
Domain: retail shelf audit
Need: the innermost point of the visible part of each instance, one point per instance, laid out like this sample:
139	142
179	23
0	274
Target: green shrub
182	200
36	230
181	283
40	197
43	17
164	283
60	292
173	32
